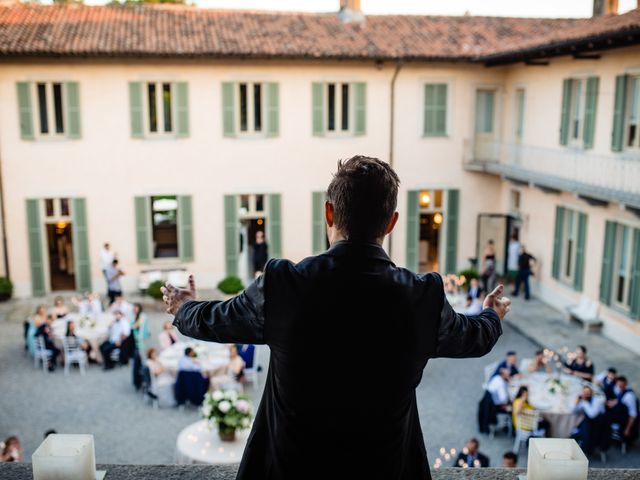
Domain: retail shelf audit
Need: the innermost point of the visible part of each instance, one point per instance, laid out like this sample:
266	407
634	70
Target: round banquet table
211	356
197	443
94	330
557	407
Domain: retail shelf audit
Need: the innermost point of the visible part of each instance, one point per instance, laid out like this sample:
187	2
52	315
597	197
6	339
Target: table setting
94	329
212	357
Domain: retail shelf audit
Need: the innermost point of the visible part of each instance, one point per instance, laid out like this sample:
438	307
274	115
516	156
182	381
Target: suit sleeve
238	320
463	336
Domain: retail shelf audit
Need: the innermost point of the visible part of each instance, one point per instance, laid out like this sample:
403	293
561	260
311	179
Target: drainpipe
392	111
3	225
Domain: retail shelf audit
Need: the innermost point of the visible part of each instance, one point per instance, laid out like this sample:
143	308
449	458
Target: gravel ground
127	430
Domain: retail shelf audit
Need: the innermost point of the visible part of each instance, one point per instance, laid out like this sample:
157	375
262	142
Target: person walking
260	253
106	260
354	295
113	274
524	272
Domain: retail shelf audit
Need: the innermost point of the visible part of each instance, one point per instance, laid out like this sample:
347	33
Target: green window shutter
81	244
413	230
635	277
36	250
72	97
318	226
360	108
435	110
606	272
143	229
274	230
136	109
617	136
231	235
228	109
185	228
557	243
25	114
591	103
451	258
566	106
578	277
182	109
273	106
317	99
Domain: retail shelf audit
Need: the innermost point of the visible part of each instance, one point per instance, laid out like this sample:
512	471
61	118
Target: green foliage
6	287
230	285
153	290
468	274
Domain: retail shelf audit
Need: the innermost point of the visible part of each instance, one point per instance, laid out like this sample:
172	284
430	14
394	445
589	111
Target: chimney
350	11
605	7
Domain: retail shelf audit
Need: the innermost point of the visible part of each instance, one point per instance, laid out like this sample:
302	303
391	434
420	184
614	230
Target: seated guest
475	290
509	460
471	457
121	305
521	404
498	387
11	450
623	410
32	325
510	362
589	433
607	381
539	363
59	309
474	305
46	332
83	344
579	364
40	317
89	304
119	331
233	373
163	380
167	336
189	362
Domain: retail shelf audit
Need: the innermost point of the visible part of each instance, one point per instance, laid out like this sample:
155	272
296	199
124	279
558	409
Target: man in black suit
319	416
470	456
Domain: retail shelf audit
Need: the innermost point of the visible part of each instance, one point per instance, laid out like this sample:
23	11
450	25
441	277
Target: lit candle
65	457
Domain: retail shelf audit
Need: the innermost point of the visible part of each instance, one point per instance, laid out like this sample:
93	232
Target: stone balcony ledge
22	471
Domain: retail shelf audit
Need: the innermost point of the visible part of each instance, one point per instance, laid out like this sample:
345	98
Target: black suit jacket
322	405
462	459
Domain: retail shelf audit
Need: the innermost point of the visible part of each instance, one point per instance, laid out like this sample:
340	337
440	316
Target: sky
518	8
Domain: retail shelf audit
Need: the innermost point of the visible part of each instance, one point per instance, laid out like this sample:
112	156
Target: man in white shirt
623	410
121	305
498	387
188	362
590	432
513	254
118	333
106	259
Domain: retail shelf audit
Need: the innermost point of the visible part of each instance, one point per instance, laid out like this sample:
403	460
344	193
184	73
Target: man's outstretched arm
238	320
462	336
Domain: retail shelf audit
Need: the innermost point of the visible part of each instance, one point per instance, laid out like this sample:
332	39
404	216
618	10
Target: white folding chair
41	354
526	425
73	354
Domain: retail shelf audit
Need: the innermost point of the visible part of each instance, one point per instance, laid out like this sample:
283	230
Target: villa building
175	133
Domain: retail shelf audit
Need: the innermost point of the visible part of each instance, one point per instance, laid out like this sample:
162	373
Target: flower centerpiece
557	386
228	410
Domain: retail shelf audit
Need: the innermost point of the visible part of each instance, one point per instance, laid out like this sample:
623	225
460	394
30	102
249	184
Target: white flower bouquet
228	410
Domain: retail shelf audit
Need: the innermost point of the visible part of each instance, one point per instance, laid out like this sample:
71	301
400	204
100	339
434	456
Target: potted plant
228	410
230	286
6	289
153	290
466	275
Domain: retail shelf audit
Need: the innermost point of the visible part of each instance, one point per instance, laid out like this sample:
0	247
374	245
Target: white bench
586	312
175	276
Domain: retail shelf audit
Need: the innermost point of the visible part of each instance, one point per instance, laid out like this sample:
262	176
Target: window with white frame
338	107
51	115
519	114
632	122
250	107
577	109
159	107
622	267
569	243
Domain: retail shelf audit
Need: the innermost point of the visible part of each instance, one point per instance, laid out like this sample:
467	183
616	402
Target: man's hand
174	297
500	305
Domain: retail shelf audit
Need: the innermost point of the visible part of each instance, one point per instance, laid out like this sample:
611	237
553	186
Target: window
519	115
569	238
576	109
250	108
485	102
252	204
622	267
56	207
164	223
569	247
632	133
50	108
435	110
159	99
338	107
514	201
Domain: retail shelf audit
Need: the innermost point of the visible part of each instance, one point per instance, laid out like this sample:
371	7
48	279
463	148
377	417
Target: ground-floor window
164	221
569	247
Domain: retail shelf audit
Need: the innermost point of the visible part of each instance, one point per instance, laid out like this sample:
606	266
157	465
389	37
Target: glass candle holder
556	459
65	457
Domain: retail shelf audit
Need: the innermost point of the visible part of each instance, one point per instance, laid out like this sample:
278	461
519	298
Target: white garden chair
73	354
41	354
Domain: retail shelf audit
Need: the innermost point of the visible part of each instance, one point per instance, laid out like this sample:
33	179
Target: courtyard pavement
128	430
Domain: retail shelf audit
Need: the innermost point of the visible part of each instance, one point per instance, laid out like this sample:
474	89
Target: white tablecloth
94	330
199	444
555	407
211	356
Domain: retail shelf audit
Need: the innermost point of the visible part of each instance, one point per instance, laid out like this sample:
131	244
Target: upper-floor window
159	107
435	110
632	123
250	108
339	108
518	131
576	109
578	115
50	108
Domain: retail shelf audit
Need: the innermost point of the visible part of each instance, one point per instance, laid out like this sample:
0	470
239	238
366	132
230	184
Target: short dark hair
622	378
612	370
364	194
510	456
511	353
187	351
583	348
539	352
475	441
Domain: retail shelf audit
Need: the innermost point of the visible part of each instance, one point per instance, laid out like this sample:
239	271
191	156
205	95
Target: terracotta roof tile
172	31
